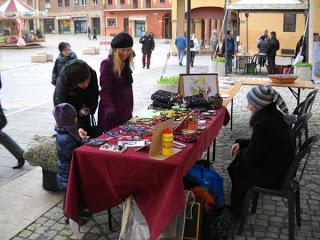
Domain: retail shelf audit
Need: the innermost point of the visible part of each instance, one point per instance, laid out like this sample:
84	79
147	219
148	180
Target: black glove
112	116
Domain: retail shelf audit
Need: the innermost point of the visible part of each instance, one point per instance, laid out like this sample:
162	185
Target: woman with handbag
116	96
8	142
78	86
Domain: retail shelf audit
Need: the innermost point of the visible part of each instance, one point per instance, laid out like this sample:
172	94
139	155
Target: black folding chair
290	189
298	128
306	106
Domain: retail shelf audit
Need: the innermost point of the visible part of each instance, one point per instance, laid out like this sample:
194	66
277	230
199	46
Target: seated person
264	159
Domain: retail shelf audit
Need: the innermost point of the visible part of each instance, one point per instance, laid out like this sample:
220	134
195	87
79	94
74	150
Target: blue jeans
181	55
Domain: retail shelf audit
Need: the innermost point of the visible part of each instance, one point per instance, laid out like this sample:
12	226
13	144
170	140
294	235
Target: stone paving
270	221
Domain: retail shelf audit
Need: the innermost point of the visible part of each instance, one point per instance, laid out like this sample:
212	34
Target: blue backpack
230	45
211	180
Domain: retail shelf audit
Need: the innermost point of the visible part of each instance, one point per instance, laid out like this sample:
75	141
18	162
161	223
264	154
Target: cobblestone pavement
27	96
270	221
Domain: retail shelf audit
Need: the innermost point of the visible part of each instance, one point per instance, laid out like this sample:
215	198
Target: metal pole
225	38
310	38
247	26
188	35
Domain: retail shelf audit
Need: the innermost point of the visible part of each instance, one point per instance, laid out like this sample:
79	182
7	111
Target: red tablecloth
101	180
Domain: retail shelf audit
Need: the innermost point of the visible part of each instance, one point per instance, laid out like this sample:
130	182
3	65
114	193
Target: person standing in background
148	45
274	46
181	44
194	46
8	142
94	34
66	55
214	42
89	33
230	50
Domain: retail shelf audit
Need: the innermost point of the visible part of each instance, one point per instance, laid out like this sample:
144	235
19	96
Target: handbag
93	130
3	119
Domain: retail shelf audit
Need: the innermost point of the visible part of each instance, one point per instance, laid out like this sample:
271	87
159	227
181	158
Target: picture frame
197	83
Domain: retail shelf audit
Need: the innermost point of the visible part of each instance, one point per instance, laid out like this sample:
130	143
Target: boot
20	164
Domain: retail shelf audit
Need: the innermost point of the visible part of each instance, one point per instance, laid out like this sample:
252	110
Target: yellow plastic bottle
167	142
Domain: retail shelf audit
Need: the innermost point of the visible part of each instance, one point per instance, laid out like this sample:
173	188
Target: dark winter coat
264	159
115	96
147	44
274	46
65	92
58	65
65	145
270	151
229	38
263	46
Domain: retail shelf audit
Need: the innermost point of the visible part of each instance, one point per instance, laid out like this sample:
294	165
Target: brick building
138	16
72	16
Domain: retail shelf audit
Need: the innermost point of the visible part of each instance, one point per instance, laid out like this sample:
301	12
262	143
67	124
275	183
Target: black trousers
271	64
192	56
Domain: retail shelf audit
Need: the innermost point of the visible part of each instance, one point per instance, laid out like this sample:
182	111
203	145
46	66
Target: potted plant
169	84
217	65
41	151
303	70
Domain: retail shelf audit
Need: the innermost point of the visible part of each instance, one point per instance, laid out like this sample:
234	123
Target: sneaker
143	66
180	64
148	67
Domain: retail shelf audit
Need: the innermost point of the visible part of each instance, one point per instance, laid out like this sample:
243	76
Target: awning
63	17
138	18
268	5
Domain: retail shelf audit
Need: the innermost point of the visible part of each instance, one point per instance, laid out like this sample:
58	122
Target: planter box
304	73
168	88
217	67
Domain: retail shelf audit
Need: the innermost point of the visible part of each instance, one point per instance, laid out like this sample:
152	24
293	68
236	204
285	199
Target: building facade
138	16
207	15
72	16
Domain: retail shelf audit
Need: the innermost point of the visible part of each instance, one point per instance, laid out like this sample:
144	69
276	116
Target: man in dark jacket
230	50
264	159
78	86
147	42
66	55
274	46
263	46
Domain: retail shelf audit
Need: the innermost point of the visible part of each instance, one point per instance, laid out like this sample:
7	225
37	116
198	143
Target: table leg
214	151
208	155
231	115
110	220
298	97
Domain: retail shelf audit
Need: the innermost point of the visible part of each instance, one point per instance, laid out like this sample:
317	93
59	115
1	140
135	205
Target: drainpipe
188	35
310	38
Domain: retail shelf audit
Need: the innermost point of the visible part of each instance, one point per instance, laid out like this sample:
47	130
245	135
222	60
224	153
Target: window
83	2
47	4
135	4
122	1
289	22
110	2
30	3
59	3
162	1
76	2
95	2
66	3
148	3
111	22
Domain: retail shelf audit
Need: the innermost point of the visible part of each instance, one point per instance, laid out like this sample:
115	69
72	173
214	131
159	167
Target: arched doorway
167	26
205	19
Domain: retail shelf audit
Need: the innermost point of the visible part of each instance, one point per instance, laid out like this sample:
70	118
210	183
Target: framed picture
196	83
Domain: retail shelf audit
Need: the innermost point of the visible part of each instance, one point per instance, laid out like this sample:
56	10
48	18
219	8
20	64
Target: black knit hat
122	40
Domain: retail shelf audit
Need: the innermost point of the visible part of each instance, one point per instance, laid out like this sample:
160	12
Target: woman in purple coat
116	96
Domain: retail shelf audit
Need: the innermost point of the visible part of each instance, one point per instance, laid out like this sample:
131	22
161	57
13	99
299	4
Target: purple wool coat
115	96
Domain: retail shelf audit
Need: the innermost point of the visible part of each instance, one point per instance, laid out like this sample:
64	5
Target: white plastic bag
134	225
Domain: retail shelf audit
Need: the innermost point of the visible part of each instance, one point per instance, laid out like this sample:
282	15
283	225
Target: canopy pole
188	35
310	31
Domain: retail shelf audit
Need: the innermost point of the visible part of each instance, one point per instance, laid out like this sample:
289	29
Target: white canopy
268	5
